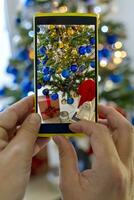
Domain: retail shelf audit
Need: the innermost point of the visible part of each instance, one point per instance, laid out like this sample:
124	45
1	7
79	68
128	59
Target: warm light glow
104	29
117	61
103	62
31	54
99	78
123	54
109	85
100	46
55	3
30	93
97	9
118	45
117	54
112	66
63	9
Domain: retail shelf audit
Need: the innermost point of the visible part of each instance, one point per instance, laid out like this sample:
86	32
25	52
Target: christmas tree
114	70
61	47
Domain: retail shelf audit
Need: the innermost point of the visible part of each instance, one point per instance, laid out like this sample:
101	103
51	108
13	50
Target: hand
112	174
18	134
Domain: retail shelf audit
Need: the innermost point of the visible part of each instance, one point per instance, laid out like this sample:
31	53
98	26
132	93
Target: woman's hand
18	134
112	173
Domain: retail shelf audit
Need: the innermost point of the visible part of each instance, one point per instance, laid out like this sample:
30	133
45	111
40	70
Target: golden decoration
70	31
59	70
74	52
50	27
61	45
53	34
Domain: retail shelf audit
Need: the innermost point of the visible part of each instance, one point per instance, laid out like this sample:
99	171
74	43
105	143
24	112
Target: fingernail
57	139
34	117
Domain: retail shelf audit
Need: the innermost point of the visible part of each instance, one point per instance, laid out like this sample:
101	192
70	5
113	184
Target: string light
31	34
123	54
97	9
104	29
103	62
118	45
109	85
63	9
30	93
117	54
112	66
56	3
99	78
117	61
100	46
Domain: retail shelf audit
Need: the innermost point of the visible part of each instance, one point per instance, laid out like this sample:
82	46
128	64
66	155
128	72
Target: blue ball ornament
12	70
54	96
39	86
42	50
2	91
112	39
74	68
26	85
106	53
22	55
45	70
116	78
82	50
26	73
100	56
38	62
92	41
92	64
66	73
70	100
29	3
45	92
88	49
47	78
18	21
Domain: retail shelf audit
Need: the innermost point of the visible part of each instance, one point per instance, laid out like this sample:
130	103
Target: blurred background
116	71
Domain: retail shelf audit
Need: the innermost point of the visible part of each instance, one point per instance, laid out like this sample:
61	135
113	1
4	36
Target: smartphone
66	70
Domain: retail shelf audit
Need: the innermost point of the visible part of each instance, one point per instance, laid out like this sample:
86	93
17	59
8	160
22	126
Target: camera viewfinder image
66	80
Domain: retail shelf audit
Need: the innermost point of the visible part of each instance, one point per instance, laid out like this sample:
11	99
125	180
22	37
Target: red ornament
87	91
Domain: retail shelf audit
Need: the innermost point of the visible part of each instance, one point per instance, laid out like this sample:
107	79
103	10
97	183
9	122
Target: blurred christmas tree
115	73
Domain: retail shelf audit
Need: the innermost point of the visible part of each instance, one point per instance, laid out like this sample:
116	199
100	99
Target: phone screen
66	71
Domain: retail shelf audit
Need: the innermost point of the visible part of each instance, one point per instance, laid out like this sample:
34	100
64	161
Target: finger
122	132
103	121
114	118
24	141
101	141
68	160
12	115
40	144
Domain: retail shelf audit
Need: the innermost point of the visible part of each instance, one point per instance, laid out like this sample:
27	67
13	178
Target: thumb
68	160
24	141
